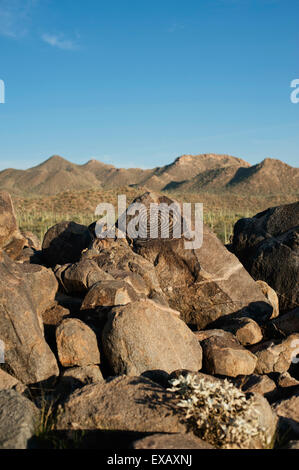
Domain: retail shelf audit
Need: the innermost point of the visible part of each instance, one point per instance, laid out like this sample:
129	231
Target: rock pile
99	326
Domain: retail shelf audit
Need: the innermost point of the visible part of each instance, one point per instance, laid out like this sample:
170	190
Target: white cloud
175	27
57	40
15	17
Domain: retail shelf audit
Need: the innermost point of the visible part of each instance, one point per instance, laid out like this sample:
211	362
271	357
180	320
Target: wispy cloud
175	27
58	40
15	17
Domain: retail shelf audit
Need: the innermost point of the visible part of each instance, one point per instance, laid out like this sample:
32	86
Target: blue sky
137	83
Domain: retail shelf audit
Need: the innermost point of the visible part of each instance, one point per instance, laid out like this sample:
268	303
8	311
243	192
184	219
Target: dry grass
221	210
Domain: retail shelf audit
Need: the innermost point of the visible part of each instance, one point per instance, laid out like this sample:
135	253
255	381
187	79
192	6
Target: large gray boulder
18	420
122	404
144	336
115	255
27	355
64	242
268	246
204	283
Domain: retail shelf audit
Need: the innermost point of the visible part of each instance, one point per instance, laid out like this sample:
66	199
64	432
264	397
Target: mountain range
187	174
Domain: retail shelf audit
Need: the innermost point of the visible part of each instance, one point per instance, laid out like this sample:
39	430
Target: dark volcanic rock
114	256
204	283
18	420
64	242
79	277
285	324
257	384
268	246
78	377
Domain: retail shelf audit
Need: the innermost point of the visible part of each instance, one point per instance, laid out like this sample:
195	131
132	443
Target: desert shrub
217	411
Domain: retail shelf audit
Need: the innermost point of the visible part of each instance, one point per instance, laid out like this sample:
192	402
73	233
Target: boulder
271	296
224	355
31	240
11	240
199	375
71	303
8	382
171	441
267	420
79	277
116	255
51	318
285	380
18	420
42	284
268	246
122	404
246	330
76	344
27	354
286	324
78	377
54	315
145	336
109	294
134	279
275	356
288	411
254	383
64	242
202	283
30	256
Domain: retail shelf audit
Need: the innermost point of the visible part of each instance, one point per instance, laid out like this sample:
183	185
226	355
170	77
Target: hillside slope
187	174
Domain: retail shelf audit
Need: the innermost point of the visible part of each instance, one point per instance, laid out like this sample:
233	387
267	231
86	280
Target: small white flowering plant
217	411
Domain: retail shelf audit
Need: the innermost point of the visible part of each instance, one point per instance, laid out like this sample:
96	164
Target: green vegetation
221	210
221	222
40	222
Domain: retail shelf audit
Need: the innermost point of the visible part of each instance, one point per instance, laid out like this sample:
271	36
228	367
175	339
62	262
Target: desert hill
187	174
269	177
